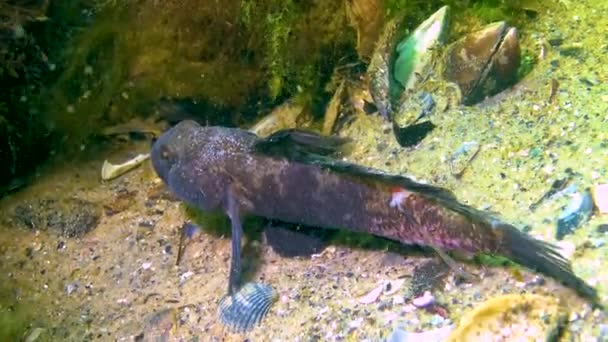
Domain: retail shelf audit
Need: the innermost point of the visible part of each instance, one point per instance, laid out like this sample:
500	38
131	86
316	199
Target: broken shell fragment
600	196
110	171
243	310
483	63
463	156
423	301
287	115
578	211
373	295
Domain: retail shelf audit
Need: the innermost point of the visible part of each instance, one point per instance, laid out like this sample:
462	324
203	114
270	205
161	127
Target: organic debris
366	17
290	114
110	171
333	110
557	186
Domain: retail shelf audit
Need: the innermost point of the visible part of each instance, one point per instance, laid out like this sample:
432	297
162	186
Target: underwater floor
119	281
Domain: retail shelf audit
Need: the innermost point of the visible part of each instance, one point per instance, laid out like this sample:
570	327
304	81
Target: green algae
245	57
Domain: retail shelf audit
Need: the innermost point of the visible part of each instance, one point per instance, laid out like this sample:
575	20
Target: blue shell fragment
577	212
243	310
190	229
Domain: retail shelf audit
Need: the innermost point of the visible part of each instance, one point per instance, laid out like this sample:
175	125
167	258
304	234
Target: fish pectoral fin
234	213
457	269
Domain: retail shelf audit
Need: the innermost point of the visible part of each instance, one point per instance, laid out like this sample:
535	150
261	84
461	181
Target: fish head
169	148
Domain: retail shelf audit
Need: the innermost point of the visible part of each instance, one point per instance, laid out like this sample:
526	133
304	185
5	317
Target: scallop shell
246	308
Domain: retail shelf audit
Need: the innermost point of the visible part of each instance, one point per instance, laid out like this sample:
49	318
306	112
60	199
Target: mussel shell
483	62
243	310
502	70
414	52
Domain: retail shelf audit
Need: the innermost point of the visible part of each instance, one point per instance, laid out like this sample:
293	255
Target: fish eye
165	153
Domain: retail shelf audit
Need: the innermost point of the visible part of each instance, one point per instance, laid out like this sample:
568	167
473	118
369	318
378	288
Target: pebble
71	288
425	300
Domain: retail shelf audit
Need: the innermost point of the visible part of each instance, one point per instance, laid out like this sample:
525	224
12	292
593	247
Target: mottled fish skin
205	166
379	69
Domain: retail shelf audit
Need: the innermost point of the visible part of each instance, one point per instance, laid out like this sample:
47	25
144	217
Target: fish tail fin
541	256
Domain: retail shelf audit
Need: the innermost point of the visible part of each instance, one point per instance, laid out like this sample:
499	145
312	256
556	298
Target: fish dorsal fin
314	149
291	142
375	175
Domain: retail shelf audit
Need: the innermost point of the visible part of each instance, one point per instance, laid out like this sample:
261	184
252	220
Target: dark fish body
234	171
